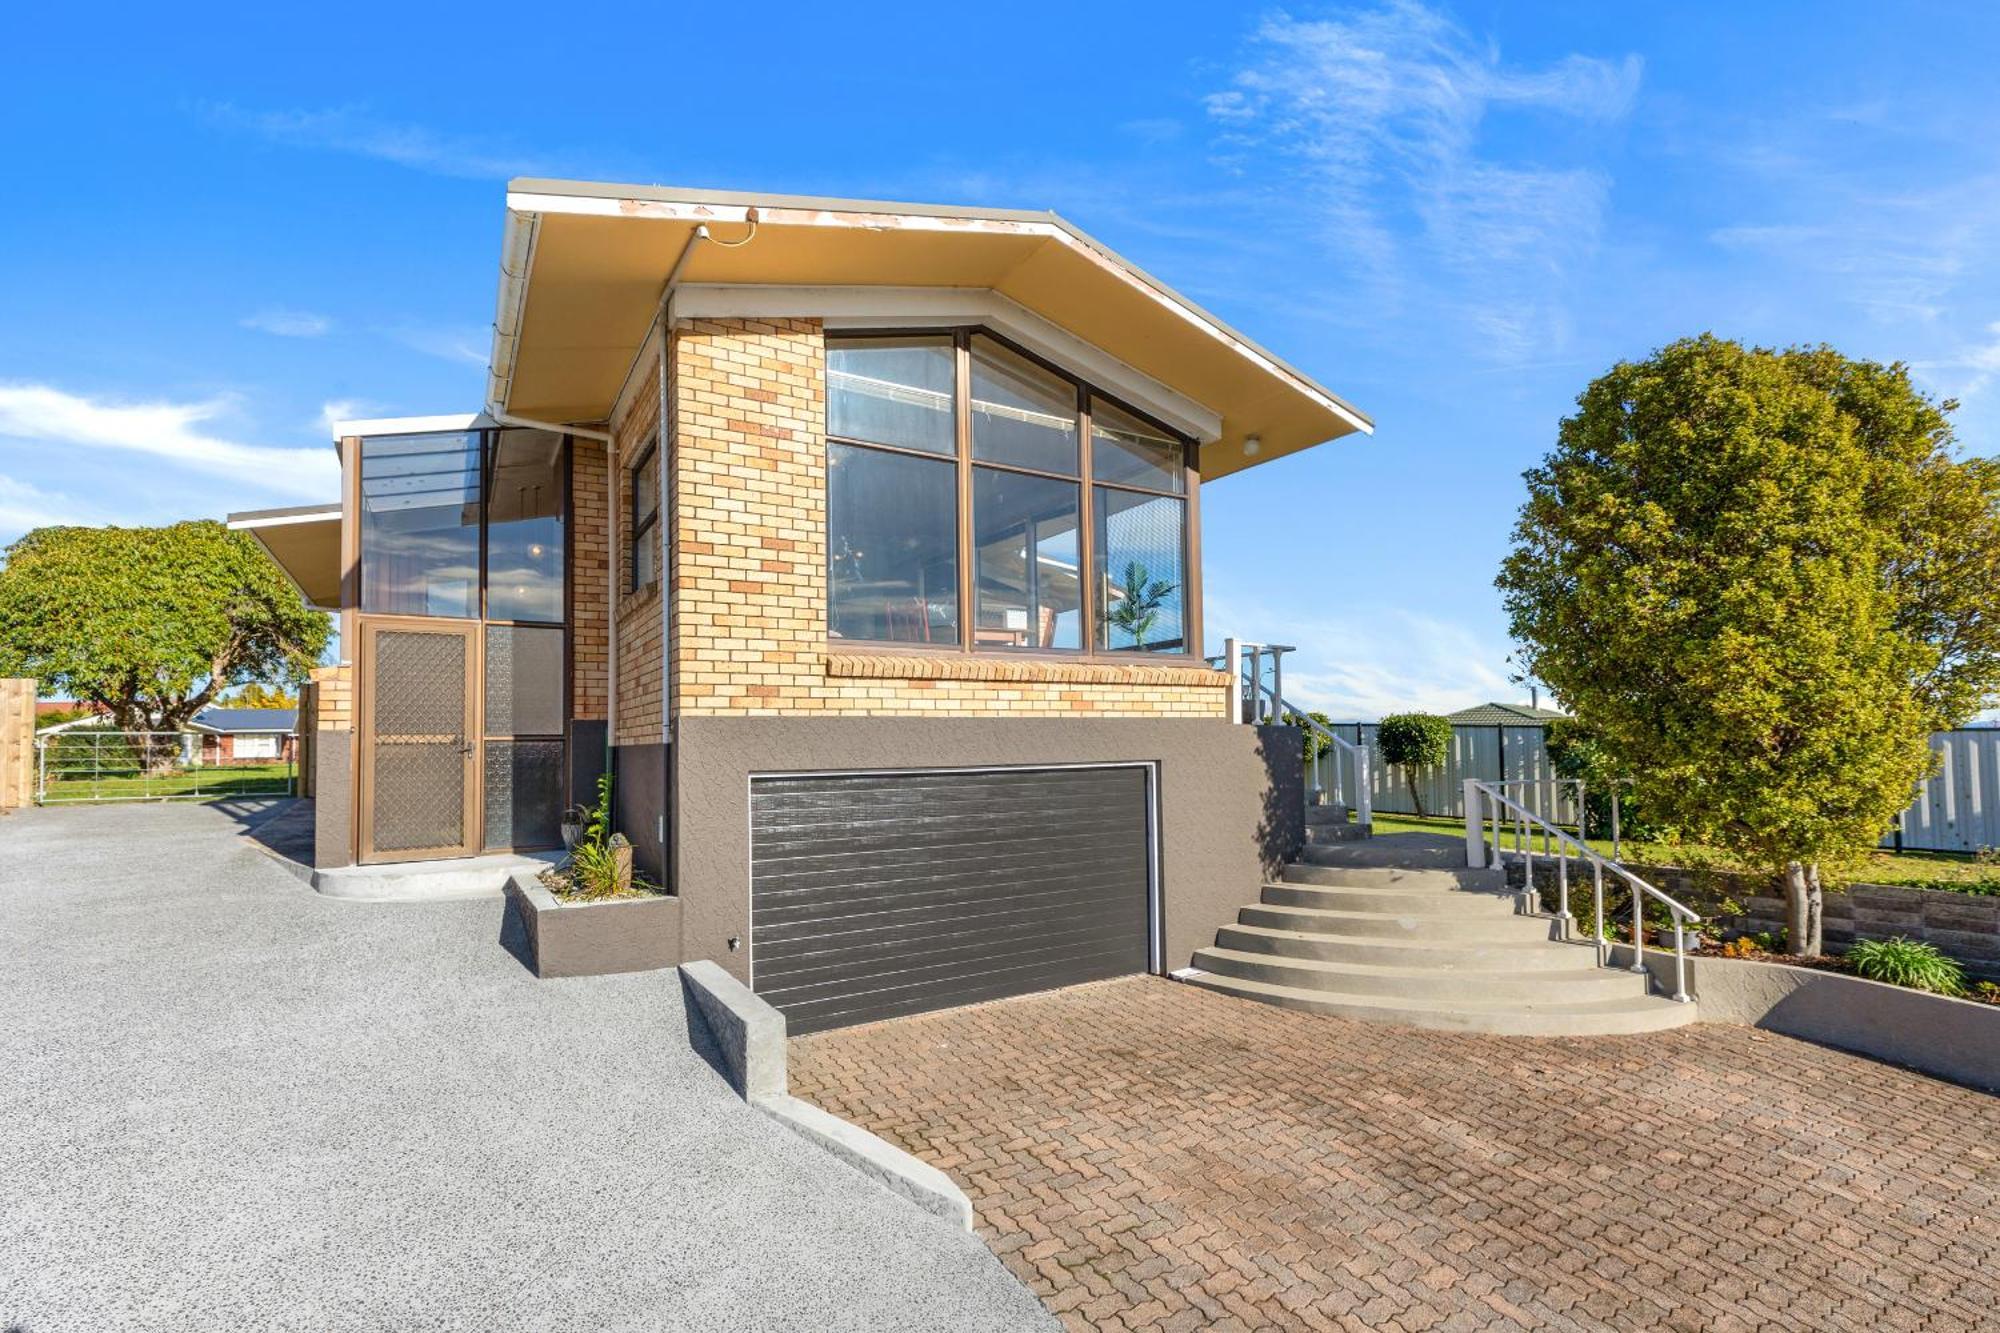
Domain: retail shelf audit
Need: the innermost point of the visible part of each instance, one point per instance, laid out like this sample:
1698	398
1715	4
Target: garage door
884	894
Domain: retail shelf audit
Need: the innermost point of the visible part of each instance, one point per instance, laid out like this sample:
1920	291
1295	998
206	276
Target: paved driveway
230	1103
1148	1155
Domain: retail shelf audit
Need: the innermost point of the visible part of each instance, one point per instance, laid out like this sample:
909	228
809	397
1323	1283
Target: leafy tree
152	623
1576	751
259	695
1412	741
1309	738
1139	608
1763	578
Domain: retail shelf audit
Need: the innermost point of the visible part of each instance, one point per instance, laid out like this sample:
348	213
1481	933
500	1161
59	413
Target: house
1504	715
862	541
242	736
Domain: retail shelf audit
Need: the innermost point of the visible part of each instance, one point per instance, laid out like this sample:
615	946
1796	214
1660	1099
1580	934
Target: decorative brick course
333	699
748	518
1150	1156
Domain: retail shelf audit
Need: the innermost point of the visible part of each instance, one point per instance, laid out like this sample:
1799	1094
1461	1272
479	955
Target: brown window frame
641	531
1087	486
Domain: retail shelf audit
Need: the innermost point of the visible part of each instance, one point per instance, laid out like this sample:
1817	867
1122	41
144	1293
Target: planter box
595	939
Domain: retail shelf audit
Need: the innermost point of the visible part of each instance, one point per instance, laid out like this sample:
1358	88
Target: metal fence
98	764
1490	754
1958	808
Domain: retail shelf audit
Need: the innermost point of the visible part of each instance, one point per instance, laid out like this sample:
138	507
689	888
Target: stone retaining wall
1963	925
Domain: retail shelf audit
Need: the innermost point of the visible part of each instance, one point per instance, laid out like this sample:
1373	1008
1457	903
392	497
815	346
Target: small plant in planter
599	866
1901	961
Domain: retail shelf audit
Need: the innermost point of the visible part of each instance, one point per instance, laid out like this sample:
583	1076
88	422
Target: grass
1951	871
129	783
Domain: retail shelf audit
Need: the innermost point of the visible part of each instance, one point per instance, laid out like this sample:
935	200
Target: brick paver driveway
1148	1155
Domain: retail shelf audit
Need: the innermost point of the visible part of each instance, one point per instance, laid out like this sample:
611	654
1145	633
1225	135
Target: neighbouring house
862	541
1504	715
231	736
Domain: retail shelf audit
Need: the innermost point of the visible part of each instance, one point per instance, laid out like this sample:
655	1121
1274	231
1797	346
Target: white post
1364	785
1475	831
1232	649
1277	688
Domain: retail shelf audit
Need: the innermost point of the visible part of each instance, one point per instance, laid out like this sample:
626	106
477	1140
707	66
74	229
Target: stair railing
1334	758
1484	800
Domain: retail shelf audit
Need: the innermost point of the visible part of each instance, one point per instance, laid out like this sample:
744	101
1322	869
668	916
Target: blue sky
222	231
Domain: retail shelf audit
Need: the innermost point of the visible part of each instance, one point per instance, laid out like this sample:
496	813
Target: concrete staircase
1389	930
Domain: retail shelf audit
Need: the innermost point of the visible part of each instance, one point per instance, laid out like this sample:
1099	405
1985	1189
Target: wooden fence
17	742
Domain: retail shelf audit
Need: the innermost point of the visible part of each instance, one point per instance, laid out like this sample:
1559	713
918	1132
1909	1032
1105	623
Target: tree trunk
1410	781
1803	902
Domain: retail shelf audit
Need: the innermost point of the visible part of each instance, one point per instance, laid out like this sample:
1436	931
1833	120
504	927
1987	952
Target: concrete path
1152	1156
230	1103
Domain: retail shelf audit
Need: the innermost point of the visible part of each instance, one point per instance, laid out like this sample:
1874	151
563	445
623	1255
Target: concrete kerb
751	1035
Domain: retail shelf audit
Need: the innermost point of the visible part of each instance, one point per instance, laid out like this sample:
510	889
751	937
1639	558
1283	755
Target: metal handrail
1363	804
1485	794
1243	660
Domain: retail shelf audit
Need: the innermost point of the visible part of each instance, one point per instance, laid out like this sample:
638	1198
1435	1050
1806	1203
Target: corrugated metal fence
1958	809
1491	754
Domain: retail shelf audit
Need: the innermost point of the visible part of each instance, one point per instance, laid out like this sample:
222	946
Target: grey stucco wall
1952	1039
1230	802
333	800
639	798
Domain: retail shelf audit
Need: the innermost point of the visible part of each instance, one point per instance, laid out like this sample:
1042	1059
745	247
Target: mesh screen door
419	741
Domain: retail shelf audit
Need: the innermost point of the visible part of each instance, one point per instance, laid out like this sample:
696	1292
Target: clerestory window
980	499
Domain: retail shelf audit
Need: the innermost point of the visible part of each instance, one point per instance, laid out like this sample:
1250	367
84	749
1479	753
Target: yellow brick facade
748	517
638	656
331	706
588	561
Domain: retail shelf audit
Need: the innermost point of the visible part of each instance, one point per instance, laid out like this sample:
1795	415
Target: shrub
1412	741
1906	962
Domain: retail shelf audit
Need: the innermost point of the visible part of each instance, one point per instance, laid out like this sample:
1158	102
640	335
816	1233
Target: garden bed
634	932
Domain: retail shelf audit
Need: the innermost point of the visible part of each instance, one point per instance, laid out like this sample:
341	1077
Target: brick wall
749	564
638	720
333	700
589	553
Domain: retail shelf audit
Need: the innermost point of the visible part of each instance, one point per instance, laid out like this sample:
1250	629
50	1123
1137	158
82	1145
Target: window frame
640	531
961	336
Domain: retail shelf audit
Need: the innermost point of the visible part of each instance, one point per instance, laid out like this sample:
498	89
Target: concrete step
1573	984
1388	877
1529	951
1323	835
1393	900
1373	923
1328	814
1590	1018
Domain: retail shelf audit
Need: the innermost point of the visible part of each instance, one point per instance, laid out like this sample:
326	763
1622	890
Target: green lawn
1918	870
127	783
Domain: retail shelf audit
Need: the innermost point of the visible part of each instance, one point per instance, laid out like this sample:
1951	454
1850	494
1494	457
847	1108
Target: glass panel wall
894	391
892	552
1025	561
524	527
1021	414
898	456
1141	573
420	525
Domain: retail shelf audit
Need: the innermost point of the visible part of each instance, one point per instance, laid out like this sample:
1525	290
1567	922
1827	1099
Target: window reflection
1025	561
1021	414
896	391
1141	577
1126	451
892	552
524	527
420	525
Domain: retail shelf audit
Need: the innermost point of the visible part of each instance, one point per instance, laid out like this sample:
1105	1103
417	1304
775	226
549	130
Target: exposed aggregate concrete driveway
230	1103
1152	1156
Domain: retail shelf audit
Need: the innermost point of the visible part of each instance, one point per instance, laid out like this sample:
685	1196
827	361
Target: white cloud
1380	114
352	130
288	323
53	419
24	506
464	344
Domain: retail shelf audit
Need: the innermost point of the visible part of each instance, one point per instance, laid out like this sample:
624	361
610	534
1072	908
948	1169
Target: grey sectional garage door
886	894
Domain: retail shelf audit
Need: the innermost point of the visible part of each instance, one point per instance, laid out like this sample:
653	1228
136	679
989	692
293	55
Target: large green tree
1763	578
152	623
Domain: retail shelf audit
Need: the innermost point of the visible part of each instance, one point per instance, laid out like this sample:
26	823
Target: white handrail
1243	660
1482	796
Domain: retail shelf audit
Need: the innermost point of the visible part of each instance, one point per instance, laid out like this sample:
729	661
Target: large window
524	527
420	524
980	499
